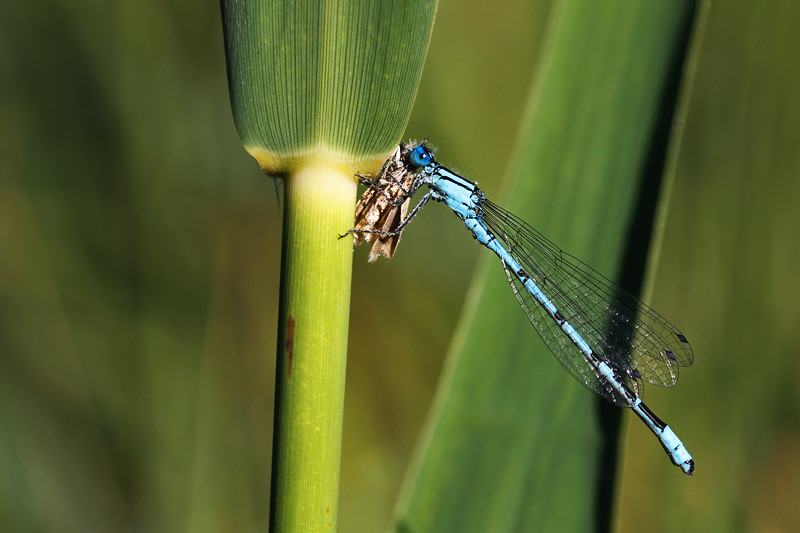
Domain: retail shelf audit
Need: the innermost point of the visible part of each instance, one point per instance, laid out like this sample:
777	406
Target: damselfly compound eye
420	156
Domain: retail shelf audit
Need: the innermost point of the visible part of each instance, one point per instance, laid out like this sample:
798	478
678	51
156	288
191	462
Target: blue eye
420	156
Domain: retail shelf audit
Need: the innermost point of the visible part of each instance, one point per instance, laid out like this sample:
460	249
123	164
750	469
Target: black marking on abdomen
559	318
660	424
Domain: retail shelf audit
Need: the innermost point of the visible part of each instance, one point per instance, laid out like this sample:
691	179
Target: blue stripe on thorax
459	194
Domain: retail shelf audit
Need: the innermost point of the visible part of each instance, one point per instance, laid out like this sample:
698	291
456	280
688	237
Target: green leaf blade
324	77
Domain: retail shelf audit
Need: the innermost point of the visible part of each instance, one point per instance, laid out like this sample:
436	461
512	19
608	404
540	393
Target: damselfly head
420	157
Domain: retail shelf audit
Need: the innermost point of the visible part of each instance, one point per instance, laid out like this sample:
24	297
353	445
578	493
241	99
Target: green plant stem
312	347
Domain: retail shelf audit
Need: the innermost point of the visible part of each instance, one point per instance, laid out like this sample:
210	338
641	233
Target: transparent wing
638	343
570	357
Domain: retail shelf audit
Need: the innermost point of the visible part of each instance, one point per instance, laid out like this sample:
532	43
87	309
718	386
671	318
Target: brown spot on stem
328	509
289	345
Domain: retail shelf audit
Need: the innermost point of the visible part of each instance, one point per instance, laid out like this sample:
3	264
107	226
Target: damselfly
606	338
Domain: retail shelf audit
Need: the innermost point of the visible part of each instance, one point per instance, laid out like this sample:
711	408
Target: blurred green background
139	257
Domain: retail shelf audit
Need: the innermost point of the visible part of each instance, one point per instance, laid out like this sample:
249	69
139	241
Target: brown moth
383	206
